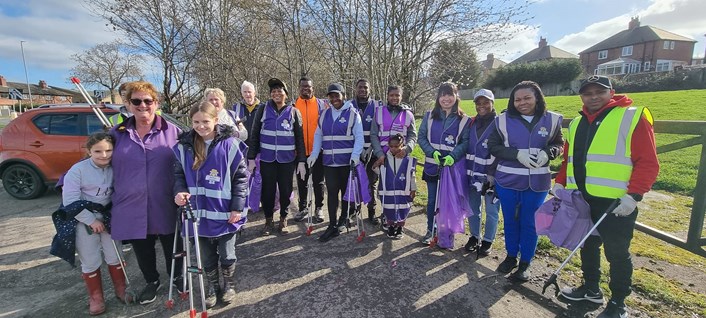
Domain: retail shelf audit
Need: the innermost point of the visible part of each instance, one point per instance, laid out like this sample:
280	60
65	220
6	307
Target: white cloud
525	39
683	17
53	30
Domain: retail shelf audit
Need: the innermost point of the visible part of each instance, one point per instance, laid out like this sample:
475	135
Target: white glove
479	186
310	161
542	158
491	180
626	207
557	187
355	161
251	165
525	159
301	171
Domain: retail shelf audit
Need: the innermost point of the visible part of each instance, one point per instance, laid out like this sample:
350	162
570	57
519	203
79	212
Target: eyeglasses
138	102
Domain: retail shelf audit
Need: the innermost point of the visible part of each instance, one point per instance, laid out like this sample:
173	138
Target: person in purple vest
443	136
143	177
367	108
389	120
398	186
211	175
217	98
339	138
525	138
246	108
277	136
480	168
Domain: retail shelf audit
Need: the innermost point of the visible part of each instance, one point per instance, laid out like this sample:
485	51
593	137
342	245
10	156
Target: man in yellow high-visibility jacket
609	154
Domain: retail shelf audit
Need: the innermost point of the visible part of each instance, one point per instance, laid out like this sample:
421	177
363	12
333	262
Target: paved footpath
285	276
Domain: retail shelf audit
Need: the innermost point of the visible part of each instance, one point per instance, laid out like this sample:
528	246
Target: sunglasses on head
137	101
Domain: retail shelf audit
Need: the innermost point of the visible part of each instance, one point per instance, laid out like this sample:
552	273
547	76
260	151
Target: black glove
484	188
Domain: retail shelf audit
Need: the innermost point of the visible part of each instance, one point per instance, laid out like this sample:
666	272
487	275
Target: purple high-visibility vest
277	134
395	187
478	157
210	185
388	126
512	174
443	139
367	116
337	137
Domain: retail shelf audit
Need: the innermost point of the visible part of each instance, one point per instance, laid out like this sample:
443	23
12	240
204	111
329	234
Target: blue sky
54	30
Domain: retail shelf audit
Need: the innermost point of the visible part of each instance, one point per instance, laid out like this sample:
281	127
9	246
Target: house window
647	66
627	50
663	66
602	55
668	45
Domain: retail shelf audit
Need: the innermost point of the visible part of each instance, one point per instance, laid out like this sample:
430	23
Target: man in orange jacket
310	107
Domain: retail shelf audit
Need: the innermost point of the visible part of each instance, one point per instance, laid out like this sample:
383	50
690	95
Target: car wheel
22	182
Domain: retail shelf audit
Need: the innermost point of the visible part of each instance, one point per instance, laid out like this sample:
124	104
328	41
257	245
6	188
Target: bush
543	72
663	81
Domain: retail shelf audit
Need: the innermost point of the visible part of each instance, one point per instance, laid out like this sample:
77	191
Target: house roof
637	35
492	64
544	53
36	89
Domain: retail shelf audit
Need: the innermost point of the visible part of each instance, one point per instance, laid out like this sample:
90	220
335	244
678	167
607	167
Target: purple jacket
143	178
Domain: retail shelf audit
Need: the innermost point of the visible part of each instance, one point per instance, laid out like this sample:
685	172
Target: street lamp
26	76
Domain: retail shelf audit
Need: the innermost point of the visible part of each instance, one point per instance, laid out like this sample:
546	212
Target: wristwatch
637	197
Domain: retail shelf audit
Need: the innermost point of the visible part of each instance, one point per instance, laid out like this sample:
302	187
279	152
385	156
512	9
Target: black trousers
146	255
615	235
275	174
317	175
372	185
336	184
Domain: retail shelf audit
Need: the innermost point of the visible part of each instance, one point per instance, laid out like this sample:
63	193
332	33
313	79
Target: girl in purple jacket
211	175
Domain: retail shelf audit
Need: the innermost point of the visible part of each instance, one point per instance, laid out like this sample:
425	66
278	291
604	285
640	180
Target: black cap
277	83
599	80
336	88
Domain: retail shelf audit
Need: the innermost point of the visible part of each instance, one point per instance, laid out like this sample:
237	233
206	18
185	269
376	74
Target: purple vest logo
450	140
369	118
402	178
543	132
485	143
213	177
342	120
286	125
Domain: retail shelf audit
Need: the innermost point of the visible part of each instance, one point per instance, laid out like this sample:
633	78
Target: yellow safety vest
608	158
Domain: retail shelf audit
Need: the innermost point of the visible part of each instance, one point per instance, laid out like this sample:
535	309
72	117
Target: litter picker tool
129	294
552	279
360	224
96	109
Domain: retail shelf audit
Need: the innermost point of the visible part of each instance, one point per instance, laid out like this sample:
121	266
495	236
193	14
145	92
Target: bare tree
108	65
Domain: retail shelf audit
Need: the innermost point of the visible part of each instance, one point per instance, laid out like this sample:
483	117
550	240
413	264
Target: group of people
502	159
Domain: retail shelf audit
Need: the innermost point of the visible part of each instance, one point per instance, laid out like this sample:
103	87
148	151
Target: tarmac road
285	276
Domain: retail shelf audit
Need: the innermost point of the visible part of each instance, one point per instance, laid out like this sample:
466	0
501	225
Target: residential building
490	64
544	52
638	49
41	93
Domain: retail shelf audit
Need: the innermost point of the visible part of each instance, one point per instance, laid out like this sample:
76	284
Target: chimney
3	81
634	23
542	42
43	84
490	57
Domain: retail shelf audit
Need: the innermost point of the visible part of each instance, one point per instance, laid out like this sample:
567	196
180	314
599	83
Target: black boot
472	244
229	282
331	232
391	231
522	273
485	248
507	265
213	289
371	217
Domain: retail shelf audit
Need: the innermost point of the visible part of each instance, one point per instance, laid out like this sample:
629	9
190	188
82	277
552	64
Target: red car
40	145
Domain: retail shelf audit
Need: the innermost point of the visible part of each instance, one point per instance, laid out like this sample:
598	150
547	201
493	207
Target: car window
58	124
93	124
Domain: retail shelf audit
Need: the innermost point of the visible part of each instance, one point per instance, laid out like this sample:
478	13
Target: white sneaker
301	215
318	215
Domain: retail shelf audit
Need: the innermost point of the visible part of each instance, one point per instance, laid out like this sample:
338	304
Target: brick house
41	93
490	64
544	52
638	49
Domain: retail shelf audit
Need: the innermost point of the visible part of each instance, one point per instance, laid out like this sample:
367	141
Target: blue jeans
215	249
518	214
491	214
431	201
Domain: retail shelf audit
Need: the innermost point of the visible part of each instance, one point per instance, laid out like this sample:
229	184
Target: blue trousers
518	213
491	214
431	201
